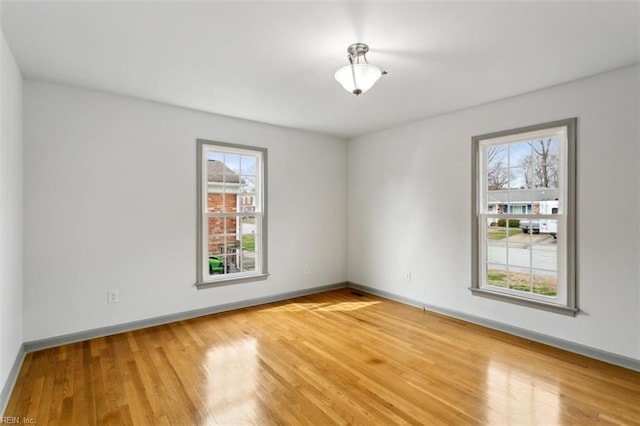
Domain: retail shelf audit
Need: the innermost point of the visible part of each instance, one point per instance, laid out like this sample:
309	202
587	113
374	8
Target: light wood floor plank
340	357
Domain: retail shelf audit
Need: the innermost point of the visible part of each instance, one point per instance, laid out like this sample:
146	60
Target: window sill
551	307
231	280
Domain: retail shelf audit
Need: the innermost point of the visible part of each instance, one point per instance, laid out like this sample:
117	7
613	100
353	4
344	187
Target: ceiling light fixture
358	77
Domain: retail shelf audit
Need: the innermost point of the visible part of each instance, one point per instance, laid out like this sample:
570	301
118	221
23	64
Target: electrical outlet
407	277
306	269
113	296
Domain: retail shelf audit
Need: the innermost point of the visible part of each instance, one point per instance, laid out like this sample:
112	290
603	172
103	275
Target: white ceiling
274	61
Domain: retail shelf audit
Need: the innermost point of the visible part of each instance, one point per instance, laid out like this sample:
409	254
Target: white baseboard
11	380
37	345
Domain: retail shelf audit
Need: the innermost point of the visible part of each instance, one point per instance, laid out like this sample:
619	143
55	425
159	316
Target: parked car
532	226
544	226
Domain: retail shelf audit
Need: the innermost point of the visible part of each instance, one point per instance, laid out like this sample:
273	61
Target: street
539	252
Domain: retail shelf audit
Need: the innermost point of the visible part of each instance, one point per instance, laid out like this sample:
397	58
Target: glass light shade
358	78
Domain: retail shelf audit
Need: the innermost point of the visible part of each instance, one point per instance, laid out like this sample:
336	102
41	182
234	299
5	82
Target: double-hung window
232	219
524	216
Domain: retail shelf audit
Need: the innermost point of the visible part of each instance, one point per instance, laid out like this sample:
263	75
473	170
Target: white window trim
566	301
203	279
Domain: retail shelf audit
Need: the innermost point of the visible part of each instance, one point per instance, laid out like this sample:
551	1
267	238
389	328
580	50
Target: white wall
10	212
110	202
410	196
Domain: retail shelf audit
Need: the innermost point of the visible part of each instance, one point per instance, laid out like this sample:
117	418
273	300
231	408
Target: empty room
319	212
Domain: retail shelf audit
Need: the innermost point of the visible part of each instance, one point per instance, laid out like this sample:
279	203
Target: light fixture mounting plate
357	49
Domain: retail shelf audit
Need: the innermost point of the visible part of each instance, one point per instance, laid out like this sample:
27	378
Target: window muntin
524	217
231	213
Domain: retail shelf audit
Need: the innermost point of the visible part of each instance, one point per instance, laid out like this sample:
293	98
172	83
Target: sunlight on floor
515	396
231	385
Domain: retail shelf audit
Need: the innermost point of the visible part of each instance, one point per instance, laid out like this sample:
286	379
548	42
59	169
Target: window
232	218
524	216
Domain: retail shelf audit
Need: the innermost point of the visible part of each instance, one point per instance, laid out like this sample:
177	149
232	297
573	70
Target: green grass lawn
249	242
517	281
500	233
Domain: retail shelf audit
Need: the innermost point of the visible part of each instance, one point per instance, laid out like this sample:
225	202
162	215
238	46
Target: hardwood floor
331	358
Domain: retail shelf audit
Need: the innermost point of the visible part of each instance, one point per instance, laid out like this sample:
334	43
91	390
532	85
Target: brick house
223	190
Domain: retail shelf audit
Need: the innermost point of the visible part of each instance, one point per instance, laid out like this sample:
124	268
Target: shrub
513	223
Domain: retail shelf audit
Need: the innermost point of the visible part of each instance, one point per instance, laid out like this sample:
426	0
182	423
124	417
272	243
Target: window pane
497	275
497	202
544	163
545	248
520	279
248	243
215	172
521	201
518	178
221	251
248	202
216	230
497	171
545	283
548	207
217	156
248	225
248	185
215	202
216	265
519	152
230	200
501	230
220	228
248	252
518	244
232	163
227	248
248	165
496	249
223	186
